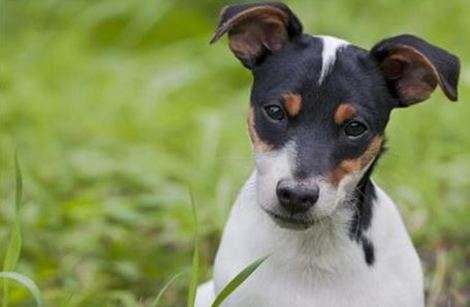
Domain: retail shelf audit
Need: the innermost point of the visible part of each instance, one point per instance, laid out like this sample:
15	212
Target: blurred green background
116	107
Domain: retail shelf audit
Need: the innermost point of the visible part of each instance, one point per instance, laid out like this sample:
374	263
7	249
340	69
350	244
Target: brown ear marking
292	103
344	112
252	31
348	166
256	29
419	76
262	11
413	68
258	144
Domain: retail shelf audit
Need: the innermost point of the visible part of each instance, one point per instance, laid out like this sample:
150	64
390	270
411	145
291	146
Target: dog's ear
256	30
413	68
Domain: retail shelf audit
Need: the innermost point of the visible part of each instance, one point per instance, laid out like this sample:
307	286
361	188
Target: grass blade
194	277
237	281
14	246
166	286
195	264
19	184
26	282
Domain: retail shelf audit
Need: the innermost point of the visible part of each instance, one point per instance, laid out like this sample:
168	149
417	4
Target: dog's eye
274	112
355	129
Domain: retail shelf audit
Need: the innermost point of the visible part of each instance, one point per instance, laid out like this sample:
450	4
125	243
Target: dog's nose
296	197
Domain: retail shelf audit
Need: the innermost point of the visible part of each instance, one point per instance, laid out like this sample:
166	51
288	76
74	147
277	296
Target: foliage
237	281
116	106
157	300
26	282
13	249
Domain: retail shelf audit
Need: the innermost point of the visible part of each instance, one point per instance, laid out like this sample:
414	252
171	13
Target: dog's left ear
257	30
413	68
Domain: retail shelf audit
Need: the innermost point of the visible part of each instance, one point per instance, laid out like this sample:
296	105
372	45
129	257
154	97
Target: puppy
318	110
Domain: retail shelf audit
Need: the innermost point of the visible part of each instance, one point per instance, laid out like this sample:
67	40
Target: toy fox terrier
318	110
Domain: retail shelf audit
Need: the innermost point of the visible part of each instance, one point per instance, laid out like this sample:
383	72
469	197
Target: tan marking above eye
357	164
344	112
258	144
292	103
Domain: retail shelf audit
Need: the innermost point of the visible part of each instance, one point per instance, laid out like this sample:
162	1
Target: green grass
169	283
116	107
236	282
13	249
124	297
25	282
196	261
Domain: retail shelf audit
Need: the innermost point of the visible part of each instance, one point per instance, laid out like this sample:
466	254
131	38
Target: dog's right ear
256	30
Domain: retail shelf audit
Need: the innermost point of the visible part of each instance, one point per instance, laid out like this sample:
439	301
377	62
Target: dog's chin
290	222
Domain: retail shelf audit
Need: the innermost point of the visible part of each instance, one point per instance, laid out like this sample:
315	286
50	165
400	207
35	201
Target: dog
318	110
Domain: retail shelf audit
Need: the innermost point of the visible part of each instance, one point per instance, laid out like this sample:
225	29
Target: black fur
368	248
296	68
364	202
364	197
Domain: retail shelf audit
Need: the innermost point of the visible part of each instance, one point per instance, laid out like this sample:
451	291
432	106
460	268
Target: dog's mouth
291	222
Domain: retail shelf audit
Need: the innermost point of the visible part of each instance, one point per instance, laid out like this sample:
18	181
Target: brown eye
355	129
274	112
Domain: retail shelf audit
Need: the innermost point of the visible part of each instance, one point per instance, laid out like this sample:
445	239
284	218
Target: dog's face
315	136
319	106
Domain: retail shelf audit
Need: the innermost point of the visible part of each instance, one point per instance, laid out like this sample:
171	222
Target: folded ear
255	30
413	68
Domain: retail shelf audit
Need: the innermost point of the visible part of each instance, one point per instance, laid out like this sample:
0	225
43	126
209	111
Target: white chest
318	267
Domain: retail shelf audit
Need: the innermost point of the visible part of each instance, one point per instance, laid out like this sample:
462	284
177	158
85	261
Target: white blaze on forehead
331	45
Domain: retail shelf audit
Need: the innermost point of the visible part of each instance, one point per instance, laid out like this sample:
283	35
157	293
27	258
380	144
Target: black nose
296	197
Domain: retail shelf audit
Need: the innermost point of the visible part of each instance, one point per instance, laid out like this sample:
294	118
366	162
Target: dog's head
319	105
